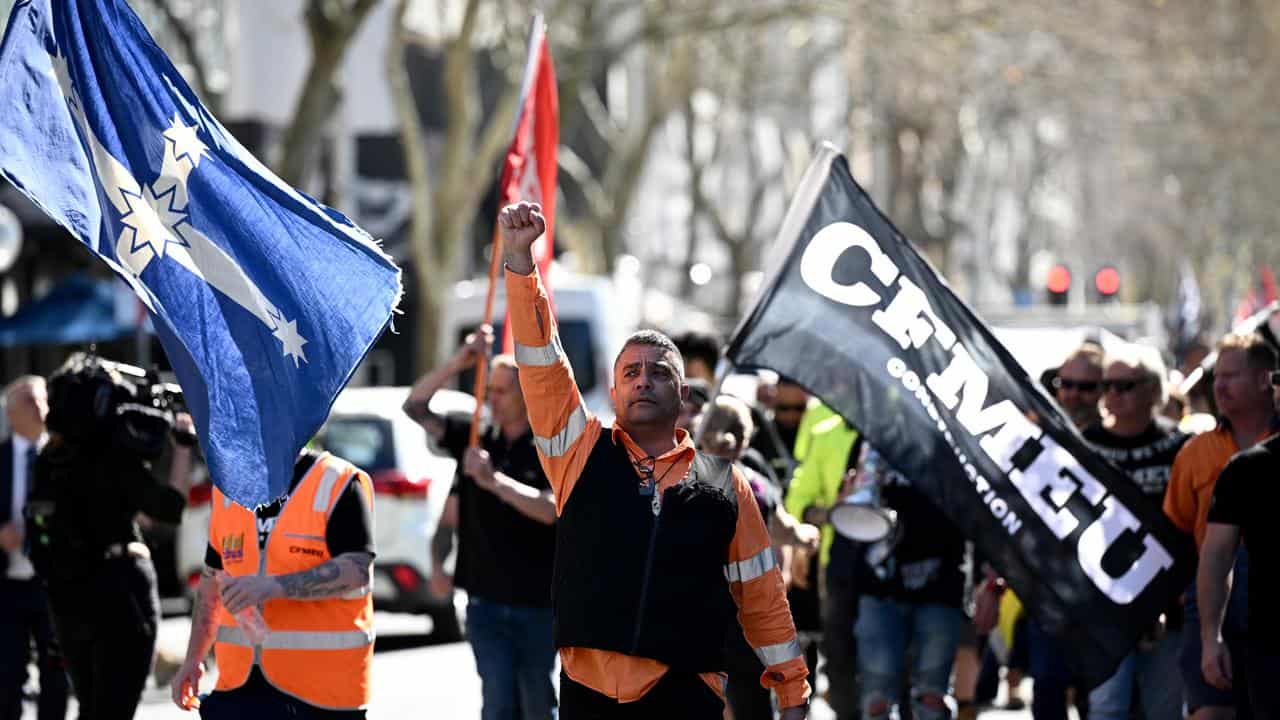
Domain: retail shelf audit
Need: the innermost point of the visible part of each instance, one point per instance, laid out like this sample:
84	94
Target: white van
593	320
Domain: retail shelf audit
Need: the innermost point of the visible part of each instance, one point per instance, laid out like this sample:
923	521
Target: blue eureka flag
264	299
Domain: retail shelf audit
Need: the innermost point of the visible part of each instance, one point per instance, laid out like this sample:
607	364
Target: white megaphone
861	516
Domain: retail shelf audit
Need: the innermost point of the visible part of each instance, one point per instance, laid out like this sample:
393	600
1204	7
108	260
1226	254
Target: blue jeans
885	631
1153	674
515	656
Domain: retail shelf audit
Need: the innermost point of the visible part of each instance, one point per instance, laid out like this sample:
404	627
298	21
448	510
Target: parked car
411	481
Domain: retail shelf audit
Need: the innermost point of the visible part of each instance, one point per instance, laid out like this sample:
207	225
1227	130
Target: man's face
27	405
697	368
1131	393
647	387
1238	387
1077	389
789	405
506	402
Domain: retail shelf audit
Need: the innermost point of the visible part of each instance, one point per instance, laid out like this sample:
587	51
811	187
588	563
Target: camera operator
91	479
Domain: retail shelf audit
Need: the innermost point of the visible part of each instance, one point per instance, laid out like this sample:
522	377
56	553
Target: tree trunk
330	37
425	325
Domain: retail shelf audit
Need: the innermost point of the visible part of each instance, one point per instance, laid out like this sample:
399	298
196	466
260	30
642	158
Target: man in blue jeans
912	587
502	510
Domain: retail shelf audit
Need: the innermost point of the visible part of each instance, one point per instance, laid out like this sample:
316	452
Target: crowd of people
682	561
915	622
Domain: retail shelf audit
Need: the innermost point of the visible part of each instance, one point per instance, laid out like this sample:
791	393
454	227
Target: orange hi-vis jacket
318	651
565	433
1194	476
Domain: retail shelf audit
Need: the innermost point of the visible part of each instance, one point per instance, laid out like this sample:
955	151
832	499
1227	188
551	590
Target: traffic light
1106	283
1058	284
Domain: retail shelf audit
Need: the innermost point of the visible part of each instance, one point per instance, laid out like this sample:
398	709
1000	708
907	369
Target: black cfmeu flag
854	314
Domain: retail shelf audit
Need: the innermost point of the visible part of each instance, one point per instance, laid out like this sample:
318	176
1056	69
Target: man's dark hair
694	345
653	338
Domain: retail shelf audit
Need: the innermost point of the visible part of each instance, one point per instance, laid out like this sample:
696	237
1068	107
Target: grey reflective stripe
780	653
560	444
339	489
356	593
751	568
540	355
299	640
300	536
326	488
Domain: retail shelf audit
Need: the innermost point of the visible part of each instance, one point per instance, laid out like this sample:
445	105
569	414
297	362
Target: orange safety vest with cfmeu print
318	651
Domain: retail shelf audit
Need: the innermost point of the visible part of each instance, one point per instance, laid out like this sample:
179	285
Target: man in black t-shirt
503	512
911	586
1143	444
1244	502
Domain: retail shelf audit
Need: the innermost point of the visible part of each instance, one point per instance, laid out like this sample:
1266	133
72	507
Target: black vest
646	586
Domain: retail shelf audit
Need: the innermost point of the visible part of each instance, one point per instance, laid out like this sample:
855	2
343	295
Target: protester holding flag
501	508
1242	392
642	606
911	588
1143	444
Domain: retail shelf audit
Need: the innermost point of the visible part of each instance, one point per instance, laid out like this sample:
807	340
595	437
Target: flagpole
482	362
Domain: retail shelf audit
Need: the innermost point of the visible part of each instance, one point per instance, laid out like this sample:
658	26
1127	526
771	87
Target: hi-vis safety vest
318	651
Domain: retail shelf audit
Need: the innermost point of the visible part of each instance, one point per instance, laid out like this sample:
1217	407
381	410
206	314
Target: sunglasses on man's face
799	407
1122	387
1085	386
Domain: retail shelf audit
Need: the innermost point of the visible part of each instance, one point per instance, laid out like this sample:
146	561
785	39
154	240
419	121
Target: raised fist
521	224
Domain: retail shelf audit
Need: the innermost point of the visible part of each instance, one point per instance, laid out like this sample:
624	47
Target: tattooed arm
204	629
347	572
339	576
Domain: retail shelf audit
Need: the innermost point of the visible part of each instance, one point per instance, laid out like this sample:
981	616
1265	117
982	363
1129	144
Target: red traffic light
1107	281
1059	279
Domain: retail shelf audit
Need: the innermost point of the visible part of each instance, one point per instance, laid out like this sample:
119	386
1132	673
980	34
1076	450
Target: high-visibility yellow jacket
814	414
318	651
817	480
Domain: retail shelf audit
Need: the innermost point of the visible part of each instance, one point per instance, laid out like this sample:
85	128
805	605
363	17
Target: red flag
1270	293
1258	296
529	172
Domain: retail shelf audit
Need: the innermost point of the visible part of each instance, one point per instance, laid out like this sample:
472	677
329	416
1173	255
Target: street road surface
412	679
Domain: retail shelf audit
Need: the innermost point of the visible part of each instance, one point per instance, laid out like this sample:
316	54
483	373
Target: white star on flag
157	226
186	141
153	219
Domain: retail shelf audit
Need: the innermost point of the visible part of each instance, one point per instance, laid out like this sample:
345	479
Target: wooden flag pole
482	362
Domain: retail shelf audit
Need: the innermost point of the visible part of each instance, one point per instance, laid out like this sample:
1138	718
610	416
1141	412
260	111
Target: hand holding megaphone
859	514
